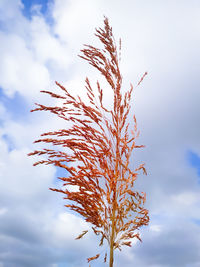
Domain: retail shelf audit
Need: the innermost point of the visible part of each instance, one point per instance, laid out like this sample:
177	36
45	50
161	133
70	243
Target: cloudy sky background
39	43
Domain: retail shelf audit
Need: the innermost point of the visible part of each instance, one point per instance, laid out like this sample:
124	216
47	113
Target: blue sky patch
28	4
16	106
194	161
9	142
60	172
196	221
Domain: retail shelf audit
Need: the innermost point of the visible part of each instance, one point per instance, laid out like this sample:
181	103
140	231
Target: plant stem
112	238
114	204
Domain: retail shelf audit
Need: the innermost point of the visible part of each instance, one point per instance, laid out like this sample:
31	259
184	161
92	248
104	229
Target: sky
39	43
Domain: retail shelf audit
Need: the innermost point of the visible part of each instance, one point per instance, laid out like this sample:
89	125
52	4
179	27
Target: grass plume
101	144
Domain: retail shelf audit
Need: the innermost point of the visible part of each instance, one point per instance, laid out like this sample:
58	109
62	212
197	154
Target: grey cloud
177	245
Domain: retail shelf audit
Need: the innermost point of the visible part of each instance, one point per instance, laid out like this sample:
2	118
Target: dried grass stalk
101	143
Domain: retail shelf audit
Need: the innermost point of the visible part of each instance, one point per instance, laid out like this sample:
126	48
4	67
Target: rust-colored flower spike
100	142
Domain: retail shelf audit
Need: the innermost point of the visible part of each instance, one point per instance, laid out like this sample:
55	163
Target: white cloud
71	17
19	70
25	66
46	46
3	211
21	179
156	228
66	227
10	10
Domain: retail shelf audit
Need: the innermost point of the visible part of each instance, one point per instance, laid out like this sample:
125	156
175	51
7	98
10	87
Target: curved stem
112	238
